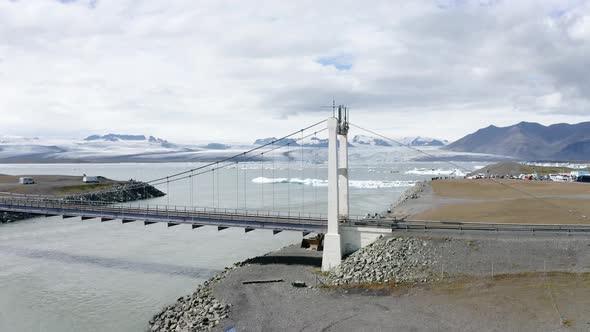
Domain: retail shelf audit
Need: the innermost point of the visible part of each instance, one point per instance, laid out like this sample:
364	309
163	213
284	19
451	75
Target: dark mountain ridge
530	141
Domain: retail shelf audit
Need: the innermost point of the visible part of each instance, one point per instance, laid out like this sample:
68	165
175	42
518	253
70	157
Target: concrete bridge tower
337	188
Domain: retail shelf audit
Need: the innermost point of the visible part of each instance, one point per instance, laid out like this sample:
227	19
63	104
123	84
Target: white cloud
552	100
580	29
231	70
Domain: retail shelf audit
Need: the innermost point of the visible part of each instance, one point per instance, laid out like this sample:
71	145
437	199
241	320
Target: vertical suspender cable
262	179
237	186
192	189
288	178
315	176
302	176
218	188
195	184
167	191
245	194
273	176
213	187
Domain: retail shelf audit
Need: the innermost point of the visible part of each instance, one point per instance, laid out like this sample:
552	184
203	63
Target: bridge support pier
332	255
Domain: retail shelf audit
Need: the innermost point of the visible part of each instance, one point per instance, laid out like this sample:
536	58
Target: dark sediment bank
121	192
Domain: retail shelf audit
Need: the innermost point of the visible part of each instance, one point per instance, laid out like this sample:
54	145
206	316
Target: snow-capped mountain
359	140
313	141
94	148
141	148
129	138
363	140
17	139
424	141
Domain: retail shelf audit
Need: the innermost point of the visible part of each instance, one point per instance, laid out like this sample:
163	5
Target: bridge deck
277	221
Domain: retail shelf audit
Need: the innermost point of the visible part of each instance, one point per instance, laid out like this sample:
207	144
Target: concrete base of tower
332	255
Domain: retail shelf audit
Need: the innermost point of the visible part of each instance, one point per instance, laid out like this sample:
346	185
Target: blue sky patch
340	62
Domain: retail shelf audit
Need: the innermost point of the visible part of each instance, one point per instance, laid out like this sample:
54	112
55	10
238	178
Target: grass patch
567	322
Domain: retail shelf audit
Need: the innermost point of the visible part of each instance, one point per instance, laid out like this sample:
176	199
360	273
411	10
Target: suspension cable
246	159
237	155
176	176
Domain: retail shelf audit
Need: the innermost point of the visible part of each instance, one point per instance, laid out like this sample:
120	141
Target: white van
90	179
26	180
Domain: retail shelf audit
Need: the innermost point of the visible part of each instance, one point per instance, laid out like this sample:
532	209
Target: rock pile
6	217
130	191
392	260
199	311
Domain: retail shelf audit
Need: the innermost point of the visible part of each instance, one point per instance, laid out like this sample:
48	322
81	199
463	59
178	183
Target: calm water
69	275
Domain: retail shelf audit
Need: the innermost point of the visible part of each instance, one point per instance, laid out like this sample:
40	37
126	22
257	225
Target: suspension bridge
342	232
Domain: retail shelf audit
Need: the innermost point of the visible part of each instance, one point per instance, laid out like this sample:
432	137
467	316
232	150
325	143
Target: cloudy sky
229	71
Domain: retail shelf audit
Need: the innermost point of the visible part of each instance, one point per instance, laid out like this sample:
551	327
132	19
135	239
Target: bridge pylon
337	188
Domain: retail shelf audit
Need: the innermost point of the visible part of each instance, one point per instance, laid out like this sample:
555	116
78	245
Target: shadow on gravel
287	260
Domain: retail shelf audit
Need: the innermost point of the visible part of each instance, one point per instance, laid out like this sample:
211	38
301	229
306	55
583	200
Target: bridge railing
154	209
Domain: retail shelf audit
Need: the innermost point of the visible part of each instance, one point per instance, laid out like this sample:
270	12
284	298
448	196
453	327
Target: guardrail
470	226
38	201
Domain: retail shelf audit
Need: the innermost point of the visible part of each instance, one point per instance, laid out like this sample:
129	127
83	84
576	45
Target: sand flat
517	211
501	188
501	201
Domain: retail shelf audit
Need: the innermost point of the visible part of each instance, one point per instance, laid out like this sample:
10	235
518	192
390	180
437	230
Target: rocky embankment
410	193
130	191
199	311
387	260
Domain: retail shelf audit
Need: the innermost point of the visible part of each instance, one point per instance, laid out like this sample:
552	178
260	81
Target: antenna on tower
346	114
333	108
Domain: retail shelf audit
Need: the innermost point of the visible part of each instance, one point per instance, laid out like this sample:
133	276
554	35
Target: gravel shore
472	278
